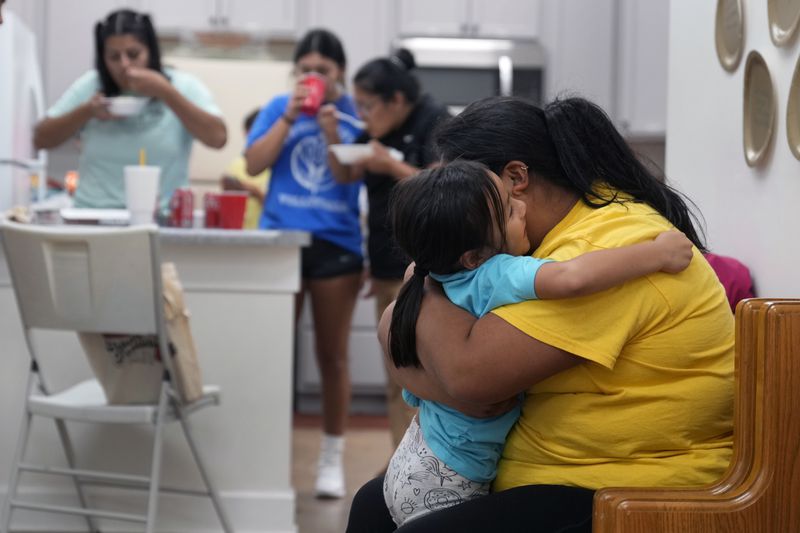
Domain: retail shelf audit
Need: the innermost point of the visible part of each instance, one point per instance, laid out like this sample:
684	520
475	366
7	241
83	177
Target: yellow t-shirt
238	169
653	403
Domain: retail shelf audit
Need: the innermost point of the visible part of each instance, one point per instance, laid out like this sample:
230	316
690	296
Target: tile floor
367	450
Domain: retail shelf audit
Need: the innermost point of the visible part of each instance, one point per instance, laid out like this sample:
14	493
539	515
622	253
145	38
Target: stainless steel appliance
458	71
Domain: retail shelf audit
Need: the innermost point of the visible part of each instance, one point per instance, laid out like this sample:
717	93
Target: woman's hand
675	249
296	100
328	123
98	107
147	82
380	162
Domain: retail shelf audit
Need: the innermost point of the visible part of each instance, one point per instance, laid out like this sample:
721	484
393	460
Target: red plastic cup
231	209
211	207
316	94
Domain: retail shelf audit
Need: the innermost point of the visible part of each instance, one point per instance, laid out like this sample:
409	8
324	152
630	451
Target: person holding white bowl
126	104
399	121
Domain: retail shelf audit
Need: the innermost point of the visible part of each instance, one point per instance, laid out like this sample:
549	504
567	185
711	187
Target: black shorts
323	259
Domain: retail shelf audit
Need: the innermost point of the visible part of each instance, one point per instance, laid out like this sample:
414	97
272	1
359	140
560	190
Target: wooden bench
760	492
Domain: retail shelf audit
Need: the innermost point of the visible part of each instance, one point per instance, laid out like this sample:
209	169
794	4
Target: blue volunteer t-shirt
473	446
303	193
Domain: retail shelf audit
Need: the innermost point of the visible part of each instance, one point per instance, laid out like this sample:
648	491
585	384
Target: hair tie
419	271
399	62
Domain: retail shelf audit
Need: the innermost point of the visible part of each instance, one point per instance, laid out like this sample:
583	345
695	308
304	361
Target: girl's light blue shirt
107	146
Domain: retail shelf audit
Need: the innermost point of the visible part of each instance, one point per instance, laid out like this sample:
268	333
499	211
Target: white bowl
347	154
126	106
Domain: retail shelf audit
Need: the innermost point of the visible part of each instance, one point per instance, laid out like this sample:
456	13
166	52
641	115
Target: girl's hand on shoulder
326	118
675	249
147	82
98	107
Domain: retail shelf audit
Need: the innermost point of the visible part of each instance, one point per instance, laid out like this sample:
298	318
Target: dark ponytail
571	143
386	76
590	148
436	217
403	329
124	22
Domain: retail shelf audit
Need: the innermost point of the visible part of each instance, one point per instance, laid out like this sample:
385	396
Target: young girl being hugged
291	135
460	226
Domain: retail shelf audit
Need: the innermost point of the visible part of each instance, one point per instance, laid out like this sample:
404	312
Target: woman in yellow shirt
632	386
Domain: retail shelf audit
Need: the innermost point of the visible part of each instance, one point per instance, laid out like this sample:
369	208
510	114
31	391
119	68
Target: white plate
126	106
729	33
111	217
759	109
347	154
783	16
793	113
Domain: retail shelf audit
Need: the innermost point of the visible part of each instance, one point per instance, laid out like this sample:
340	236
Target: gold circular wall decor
784	16
729	33
759	109
793	113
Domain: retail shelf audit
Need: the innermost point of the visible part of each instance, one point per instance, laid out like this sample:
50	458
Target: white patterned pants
417	482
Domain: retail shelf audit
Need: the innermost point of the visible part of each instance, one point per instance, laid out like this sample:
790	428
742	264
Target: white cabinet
372	19
642	68
469	18
613	52
367	373
578	36
269	17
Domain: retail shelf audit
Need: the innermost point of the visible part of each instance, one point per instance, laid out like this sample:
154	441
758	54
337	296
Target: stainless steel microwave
457	71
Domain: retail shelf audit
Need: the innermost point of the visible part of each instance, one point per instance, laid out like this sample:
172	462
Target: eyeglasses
364	108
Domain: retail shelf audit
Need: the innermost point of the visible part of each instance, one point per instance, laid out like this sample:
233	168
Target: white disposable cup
141	192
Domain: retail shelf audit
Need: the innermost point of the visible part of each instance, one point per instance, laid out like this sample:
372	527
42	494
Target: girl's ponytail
403	329
590	148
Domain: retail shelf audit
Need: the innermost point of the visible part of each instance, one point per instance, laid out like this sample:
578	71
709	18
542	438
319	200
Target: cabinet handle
464	28
475	30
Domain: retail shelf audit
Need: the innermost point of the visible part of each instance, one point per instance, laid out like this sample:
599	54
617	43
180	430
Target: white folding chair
99	280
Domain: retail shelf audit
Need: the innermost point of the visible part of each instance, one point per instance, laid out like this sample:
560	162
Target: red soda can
211	206
182	208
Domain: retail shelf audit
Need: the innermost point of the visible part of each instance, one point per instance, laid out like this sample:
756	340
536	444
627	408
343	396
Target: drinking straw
142	157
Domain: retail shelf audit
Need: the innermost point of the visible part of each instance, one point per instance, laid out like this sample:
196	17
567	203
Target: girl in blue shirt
303	195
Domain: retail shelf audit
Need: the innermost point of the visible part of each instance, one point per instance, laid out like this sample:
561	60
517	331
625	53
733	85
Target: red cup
231	209
211	207
316	93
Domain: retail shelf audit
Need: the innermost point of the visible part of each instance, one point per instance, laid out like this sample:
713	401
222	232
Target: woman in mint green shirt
180	109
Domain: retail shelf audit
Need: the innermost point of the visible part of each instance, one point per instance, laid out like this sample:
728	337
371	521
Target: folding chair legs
22	442
66	443
212	491
155	467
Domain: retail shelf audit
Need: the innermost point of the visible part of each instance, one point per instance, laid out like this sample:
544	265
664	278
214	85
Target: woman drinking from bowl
291	135
397	116
128	103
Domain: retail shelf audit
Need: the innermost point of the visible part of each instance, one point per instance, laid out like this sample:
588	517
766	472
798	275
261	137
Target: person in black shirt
397	116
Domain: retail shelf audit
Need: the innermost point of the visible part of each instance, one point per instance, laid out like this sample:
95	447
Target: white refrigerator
21	106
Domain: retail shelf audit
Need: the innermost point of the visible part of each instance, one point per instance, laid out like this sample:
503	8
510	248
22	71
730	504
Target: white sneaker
330	473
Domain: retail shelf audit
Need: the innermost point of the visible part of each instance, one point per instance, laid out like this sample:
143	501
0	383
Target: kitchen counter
239	287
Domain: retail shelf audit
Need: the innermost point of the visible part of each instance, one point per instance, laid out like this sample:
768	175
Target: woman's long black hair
437	216
571	143
124	22
386	76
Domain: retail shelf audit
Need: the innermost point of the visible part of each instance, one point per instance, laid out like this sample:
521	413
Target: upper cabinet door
439	18
518	19
643	50
273	17
182	14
